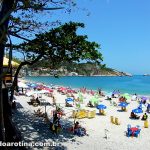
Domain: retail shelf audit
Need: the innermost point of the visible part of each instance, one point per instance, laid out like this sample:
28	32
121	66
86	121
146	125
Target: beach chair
136	133
81	114
91	114
117	121
112	120
146	124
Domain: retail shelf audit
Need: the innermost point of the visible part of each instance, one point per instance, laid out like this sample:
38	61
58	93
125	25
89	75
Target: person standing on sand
55	122
54	101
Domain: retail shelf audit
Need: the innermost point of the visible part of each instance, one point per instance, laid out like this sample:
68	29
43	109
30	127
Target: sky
121	27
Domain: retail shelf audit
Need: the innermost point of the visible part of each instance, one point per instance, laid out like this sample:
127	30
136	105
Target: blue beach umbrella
33	85
123	104
138	111
69	99
101	106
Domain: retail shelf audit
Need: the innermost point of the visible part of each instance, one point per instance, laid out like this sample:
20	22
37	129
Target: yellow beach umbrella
13	63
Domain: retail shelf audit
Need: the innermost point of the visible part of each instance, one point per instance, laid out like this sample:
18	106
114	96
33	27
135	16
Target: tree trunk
6	6
15	81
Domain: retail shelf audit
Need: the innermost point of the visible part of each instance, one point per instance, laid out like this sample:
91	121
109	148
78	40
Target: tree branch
18	36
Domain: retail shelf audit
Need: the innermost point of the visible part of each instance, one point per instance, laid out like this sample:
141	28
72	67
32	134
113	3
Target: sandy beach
101	133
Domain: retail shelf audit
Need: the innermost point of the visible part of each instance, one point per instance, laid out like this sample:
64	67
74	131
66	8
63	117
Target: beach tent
13	63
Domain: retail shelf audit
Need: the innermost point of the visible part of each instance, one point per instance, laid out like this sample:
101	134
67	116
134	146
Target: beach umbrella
123	104
126	95
33	85
42	91
80	96
144	98
22	85
101	106
116	92
69	99
94	100
134	97
30	93
50	90
96	95
137	110
141	106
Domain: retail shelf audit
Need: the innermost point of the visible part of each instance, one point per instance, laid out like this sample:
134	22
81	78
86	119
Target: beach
101	133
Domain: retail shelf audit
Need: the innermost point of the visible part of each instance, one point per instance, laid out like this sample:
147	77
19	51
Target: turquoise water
135	84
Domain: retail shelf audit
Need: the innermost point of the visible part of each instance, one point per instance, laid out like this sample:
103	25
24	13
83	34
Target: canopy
137	110
123	104
101	106
13	63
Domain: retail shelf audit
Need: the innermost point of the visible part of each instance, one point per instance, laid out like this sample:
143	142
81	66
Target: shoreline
76	88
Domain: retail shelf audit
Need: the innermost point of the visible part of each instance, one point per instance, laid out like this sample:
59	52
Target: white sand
34	129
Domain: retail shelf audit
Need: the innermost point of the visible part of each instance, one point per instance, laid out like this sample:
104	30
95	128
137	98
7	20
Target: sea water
136	84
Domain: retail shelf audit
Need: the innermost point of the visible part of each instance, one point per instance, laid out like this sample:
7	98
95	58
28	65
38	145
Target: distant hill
74	69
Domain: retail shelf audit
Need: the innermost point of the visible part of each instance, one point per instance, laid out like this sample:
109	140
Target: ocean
136	84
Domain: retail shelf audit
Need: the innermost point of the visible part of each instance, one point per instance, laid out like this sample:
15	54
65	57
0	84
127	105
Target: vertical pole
45	109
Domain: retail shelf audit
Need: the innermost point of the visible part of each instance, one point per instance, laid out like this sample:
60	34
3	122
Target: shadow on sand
35	129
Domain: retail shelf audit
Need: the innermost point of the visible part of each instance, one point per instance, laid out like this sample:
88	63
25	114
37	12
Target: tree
59	45
19	18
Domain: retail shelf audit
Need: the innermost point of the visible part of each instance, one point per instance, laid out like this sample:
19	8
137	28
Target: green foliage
24	19
61	45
